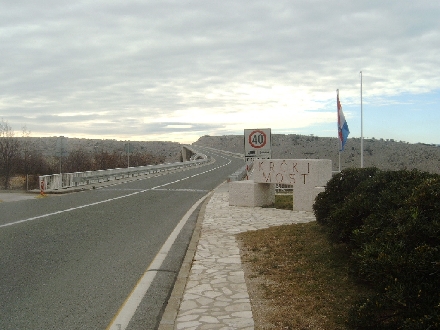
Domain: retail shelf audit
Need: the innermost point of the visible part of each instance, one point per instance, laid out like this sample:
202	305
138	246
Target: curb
168	321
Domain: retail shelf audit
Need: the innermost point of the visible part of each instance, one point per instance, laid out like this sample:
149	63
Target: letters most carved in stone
308	177
290	171
282	171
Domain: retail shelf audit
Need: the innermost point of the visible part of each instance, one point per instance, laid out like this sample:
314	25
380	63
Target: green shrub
338	188
385	202
391	222
402	261
377	194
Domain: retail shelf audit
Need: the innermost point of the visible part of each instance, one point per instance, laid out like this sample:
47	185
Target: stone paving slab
216	296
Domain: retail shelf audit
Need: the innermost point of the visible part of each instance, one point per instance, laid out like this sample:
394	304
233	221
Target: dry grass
17	182
296	278
284	202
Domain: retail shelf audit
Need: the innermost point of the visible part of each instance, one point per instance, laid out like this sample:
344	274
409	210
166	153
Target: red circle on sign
263	143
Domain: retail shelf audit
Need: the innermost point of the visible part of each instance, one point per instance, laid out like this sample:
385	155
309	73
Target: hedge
390	221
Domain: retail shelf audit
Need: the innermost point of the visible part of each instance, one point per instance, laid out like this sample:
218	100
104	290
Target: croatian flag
342	125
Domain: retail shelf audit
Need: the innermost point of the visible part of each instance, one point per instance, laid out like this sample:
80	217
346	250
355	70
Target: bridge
76	261
70	261
66	181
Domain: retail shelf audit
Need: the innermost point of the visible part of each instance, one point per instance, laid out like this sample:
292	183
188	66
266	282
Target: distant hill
50	146
47	155
383	154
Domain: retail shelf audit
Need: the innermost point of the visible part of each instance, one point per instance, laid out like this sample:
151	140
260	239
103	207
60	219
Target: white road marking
101	202
127	310
122	318
117	189
69	210
184	190
124	315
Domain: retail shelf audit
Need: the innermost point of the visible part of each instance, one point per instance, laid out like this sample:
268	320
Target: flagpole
339	141
362	129
339	160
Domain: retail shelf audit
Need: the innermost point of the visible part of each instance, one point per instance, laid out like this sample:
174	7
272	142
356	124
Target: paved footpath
212	293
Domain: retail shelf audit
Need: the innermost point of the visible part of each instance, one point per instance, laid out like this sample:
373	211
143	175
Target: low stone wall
249	193
307	176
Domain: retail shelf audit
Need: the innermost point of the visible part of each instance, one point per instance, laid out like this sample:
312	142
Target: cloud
118	68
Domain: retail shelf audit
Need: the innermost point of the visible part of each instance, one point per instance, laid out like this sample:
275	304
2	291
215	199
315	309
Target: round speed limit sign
257	139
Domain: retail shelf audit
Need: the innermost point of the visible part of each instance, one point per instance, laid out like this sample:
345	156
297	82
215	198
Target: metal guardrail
195	154
242	173
283	189
229	153
71	180
238	175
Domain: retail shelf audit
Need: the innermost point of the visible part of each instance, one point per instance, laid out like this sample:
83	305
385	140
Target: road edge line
169	315
125	313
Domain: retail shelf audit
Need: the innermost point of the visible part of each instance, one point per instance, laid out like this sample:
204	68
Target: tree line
20	158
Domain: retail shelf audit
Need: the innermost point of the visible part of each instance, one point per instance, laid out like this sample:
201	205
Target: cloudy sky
175	70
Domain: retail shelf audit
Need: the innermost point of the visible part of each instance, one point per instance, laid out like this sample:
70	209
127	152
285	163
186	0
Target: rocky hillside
51	146
47	155
384	154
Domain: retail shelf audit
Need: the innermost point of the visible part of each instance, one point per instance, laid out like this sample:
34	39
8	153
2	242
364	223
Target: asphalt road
71	261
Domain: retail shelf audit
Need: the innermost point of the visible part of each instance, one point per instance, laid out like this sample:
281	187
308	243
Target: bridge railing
71	180
242	173
229	153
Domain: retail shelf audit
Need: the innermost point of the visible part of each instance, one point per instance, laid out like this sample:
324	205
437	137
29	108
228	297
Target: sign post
257	144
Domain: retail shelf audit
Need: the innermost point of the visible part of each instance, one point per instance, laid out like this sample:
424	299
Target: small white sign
257	144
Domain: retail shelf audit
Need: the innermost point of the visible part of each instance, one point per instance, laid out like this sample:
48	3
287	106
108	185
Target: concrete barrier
307	176
56	182
251	194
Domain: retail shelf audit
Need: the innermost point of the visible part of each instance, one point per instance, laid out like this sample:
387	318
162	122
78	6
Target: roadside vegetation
370	261
22	160
298	279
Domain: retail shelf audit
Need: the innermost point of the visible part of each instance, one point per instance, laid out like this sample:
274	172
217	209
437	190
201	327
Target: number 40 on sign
257	143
